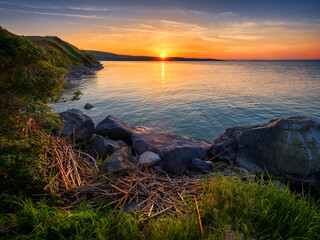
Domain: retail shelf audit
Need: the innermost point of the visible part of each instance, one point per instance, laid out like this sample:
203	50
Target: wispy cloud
55	7
88	8
52	14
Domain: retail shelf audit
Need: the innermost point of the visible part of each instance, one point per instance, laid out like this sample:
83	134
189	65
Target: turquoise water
200	99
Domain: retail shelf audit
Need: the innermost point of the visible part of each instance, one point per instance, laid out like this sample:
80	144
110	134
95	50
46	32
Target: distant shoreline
106	56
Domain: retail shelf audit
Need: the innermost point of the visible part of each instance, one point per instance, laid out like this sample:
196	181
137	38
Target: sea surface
199	99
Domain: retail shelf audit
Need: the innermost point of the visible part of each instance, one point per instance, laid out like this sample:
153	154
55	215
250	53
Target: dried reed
68	169
150	193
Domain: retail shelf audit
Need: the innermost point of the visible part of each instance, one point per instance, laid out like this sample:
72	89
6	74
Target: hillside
68	53
106	56
64	55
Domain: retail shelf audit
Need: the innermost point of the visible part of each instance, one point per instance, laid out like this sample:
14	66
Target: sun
163	56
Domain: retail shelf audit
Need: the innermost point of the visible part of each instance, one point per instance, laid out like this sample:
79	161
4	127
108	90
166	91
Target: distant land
106	56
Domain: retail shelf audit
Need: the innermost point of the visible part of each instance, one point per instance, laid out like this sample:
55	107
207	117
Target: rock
286	147
102	147
121	143
200	165
88	106
149	159
119	161
158	169
115	129
224	149
176	152
76	125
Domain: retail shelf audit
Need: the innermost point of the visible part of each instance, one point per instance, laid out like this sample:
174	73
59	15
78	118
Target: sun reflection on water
163	74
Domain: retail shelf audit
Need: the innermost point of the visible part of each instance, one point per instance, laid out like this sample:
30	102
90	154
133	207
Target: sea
198	99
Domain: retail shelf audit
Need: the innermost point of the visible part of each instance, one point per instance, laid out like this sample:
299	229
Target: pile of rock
285	147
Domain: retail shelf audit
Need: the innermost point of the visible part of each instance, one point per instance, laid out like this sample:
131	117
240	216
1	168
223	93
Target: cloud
242	37
54	7
53	14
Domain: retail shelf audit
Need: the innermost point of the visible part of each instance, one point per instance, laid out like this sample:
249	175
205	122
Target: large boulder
115	129
176	152
102	147
76	125
119	161
286	147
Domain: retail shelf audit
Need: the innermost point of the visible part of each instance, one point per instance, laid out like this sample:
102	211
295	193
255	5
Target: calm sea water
200	99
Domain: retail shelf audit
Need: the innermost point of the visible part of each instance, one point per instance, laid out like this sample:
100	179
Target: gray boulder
149	159
102	147
286	147
115	129
76	125
200	165
119	161
176	152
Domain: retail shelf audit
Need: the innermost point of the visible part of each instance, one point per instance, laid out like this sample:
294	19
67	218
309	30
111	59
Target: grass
229	209
70	54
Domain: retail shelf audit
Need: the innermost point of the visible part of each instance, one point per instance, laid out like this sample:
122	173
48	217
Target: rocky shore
76	72
286	148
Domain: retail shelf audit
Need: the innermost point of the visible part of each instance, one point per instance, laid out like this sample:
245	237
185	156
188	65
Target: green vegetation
68	54
32	74
229	208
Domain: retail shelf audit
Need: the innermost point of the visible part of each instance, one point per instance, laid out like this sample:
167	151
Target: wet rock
115	129
76	125
200	165
176	152
119	161
102	147
286	147
88	106
149	159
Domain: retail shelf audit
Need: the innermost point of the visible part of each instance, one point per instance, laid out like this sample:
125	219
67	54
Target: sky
224	29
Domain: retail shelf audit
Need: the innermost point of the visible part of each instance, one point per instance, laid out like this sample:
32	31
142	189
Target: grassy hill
69	53
106	56
63	52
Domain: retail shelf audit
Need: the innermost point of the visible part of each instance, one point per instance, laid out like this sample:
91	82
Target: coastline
76	72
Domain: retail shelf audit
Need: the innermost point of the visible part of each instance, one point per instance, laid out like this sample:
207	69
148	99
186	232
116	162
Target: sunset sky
229	29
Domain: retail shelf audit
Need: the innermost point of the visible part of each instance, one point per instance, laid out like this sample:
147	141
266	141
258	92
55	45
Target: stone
115	129
119	161
224	149
286	147
200	165
88	106
102	147
76	125
121	143
149	159
158	169
176	152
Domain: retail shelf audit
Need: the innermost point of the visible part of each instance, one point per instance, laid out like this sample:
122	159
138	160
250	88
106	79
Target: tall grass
229	209
258	210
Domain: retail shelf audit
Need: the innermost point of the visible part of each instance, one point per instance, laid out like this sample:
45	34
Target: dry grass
143	190
68	169
146	191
